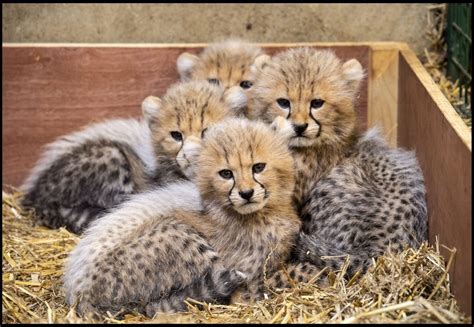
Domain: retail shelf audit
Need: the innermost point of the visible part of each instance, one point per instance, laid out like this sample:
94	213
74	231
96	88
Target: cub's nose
299	129
247	194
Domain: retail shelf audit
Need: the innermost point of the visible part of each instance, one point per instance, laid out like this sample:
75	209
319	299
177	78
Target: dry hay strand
435	60
411	286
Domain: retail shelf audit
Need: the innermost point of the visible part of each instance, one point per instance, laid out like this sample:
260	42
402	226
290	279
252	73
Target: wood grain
383	93
49	91
428	124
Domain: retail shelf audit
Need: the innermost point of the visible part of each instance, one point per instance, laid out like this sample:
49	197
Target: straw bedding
412	286
435	61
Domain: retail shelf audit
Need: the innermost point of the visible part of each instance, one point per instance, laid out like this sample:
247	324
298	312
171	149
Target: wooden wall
49	91
428	124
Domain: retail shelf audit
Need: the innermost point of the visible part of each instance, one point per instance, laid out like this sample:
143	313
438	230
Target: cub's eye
213	81
258	167
284	103
177	136
317	103
203	132
246	84
226	174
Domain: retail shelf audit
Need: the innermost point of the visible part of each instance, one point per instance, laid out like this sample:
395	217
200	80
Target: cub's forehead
231	50
240	138
235	56
305	64
193	95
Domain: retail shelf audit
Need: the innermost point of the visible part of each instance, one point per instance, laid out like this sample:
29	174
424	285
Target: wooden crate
53	89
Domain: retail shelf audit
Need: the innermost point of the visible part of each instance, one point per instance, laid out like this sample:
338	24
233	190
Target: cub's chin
302	142
249	208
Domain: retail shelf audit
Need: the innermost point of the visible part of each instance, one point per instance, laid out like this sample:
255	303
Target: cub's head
312	90
245	167
226	64
181	118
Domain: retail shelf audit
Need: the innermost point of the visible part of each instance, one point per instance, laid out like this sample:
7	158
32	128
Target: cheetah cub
203	240
81	175
227	63
354	194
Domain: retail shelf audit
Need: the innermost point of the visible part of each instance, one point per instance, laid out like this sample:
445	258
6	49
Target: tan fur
226	63
229	62
188	108
301	75
246	237
178	244
137	169
354	194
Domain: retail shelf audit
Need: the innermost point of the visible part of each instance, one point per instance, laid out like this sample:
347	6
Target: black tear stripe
182	144
230	192
261	185
317	122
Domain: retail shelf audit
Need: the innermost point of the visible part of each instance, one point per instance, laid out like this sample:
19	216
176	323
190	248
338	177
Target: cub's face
244	166
226	64
179	121
312	90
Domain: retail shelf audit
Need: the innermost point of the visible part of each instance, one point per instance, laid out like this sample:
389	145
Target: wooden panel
383	93
52	90
428	124
48	92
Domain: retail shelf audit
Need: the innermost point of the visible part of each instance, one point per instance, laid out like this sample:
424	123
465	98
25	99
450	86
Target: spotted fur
355	196
206	242
373	199
140	257
251	237
300	76
85	173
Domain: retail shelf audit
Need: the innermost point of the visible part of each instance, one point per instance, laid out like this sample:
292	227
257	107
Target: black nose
299	129
247	194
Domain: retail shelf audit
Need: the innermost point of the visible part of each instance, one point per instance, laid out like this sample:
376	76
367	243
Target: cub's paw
230	280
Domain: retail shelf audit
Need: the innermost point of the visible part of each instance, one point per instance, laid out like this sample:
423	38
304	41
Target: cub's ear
150	107
236	100
353	73
185	64
260	63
